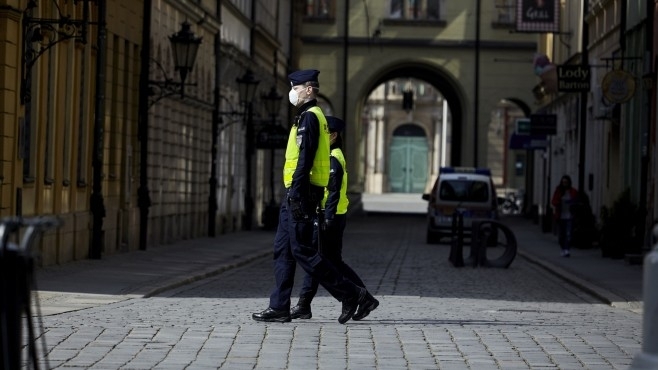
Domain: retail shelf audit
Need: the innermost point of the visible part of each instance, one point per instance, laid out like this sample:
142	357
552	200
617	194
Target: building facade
100	129
440	54
606	132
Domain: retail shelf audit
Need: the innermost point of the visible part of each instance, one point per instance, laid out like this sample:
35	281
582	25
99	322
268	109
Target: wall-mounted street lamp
247	89
272	103
41	34
184	48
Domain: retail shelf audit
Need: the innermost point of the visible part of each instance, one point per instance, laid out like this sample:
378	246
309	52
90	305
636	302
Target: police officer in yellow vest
332	221
305	175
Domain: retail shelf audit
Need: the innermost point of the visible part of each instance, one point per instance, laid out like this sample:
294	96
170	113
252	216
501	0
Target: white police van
465	190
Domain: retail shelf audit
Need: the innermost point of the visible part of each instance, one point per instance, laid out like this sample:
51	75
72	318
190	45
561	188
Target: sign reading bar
272	137
527	142
543	124
573	78
538	16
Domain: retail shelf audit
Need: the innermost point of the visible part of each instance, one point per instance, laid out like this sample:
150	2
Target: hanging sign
618	86
573	78
538	16
272	137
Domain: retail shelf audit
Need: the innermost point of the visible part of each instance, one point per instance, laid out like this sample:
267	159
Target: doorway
408	160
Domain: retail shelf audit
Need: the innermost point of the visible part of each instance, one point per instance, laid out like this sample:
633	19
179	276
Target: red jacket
556	201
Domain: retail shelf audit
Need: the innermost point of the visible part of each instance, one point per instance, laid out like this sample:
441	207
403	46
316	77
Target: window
50	118
464	191
415	10
505	12
319	9
83	119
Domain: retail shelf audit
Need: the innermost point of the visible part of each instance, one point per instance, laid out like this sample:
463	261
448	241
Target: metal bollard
648	358
457	241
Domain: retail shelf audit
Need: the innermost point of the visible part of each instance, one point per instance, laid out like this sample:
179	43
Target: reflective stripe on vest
319	175
343	202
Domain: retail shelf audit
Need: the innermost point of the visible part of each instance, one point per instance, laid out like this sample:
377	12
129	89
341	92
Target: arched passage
443	82
411	115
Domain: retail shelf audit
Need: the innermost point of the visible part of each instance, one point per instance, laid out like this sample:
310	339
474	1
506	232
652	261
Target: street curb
596	291
178	282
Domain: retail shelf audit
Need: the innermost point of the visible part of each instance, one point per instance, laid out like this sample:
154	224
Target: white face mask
293	97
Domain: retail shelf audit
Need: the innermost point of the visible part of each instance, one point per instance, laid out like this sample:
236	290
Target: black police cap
303	76
335	124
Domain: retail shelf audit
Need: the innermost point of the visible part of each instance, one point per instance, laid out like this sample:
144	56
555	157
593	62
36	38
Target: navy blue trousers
332	250
293	244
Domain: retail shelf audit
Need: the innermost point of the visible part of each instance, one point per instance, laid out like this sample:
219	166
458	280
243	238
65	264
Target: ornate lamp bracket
41	34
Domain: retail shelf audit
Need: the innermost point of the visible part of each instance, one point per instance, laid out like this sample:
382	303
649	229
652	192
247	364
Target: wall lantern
247	87
184	48
272	102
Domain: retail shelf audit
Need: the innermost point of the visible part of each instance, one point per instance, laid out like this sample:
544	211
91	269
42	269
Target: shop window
505	14
415	10
320	9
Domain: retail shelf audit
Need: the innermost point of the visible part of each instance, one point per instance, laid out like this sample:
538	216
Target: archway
403	116
442	81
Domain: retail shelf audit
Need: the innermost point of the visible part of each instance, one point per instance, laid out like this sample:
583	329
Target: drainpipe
212	197
584	60
346	41
476	99
96	200
143	198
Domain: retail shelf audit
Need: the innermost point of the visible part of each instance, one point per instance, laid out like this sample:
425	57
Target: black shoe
368	305
350	306
272	315
301	312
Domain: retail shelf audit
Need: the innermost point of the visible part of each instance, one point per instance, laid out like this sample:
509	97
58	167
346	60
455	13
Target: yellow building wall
9	81
60	117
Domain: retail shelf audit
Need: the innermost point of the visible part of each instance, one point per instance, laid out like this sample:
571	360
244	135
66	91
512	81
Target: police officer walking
332	220
305	175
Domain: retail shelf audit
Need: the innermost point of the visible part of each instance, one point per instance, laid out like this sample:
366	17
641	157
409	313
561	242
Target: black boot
272	315
350	305
365	307
302	310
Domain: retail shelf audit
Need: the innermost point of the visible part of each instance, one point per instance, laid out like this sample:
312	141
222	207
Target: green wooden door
407	172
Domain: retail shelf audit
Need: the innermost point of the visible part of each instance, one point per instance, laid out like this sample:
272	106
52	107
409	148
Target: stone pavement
115	278
545	311
432	315
613	281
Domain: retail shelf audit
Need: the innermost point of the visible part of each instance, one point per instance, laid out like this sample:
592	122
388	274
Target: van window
464	191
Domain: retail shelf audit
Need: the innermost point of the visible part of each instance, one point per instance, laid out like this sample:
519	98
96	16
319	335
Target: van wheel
433	237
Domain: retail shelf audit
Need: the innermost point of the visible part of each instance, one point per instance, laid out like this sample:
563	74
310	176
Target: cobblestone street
432	316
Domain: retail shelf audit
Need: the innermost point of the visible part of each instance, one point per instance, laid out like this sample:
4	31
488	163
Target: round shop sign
618	86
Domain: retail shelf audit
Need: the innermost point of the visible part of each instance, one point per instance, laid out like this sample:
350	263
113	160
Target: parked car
465	190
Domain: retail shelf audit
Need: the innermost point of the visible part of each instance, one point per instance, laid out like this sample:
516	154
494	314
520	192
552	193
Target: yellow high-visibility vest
320	170
343	202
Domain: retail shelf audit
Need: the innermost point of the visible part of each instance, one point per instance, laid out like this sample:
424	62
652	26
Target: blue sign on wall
528	142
